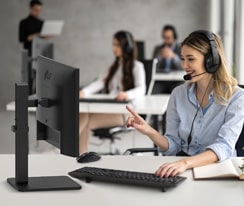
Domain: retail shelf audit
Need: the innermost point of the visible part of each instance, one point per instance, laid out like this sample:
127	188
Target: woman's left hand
122	96
172	169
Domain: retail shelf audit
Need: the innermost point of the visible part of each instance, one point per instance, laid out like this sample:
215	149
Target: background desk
175	76
189	193
151	104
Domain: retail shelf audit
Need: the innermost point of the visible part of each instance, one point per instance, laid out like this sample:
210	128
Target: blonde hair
224	85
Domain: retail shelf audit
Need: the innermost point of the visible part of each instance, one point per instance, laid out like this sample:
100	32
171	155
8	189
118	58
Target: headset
212	59
128	47
172	28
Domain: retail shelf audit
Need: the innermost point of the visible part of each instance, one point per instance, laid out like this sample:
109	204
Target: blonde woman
205	115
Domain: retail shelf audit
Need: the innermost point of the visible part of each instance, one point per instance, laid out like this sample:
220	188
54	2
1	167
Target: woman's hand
136	121
122	96
172	169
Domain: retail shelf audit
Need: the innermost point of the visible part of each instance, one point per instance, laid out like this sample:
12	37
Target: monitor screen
24	65
41	47
57	90
140	50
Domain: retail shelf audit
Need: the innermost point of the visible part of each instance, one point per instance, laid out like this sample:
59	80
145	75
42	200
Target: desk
176	76
151	104
189	193
171	76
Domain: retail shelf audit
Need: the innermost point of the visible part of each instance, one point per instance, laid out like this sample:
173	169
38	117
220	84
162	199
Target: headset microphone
189	77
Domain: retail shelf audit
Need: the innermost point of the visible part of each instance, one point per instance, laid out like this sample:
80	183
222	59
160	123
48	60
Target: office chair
113	133
239	145
140	50
240	142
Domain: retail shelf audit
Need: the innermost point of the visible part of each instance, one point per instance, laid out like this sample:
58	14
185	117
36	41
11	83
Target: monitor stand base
47	183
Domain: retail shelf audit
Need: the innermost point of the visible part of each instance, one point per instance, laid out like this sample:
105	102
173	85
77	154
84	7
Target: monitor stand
22	182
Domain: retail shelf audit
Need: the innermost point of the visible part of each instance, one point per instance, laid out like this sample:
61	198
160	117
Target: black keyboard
126	177
105	100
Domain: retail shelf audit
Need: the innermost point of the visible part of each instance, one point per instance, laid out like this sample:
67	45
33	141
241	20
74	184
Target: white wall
89	26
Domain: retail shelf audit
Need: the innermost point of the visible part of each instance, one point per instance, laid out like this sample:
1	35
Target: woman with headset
204	116
125	79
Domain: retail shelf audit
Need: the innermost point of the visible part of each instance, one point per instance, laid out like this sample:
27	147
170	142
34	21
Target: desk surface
171	76
151	104
197	193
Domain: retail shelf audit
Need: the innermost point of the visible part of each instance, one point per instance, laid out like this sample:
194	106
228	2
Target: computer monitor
140	50
57	102
24	65
41	47
57	86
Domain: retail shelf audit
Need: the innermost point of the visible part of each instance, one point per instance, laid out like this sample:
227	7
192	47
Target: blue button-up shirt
216	127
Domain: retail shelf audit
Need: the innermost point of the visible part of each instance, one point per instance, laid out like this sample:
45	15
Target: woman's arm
229	132
95	86
142	126
176	168
139	81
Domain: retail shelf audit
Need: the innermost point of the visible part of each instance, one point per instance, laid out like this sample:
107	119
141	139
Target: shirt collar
192	96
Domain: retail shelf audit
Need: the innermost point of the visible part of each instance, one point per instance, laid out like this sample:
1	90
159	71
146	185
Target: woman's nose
184	64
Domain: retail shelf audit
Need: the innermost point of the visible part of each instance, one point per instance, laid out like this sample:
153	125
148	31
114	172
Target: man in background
31	26
168	53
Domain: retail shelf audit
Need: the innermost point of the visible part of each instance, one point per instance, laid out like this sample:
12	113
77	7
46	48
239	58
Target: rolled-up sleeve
224	146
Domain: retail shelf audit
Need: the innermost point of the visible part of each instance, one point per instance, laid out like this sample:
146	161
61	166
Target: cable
189	139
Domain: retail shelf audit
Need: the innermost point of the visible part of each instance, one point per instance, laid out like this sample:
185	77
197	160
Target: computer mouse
88	157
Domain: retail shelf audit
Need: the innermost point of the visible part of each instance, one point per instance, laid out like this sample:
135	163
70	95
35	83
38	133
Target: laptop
52	27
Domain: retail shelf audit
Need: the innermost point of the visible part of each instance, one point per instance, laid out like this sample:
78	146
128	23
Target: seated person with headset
168	56
204	116
168	53
125	78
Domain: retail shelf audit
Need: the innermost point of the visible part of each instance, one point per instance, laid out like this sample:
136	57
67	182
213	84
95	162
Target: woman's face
117	48
192	62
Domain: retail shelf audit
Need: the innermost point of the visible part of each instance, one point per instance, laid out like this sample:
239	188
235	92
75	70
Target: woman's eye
191	59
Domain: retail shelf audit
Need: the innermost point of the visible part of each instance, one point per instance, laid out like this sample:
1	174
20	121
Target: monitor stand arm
22	182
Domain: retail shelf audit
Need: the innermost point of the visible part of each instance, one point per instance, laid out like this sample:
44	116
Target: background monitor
57	89
25	65
140	50
41	47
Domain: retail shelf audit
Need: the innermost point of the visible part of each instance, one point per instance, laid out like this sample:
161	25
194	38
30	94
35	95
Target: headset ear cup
212	59
127	48
129	44
208	63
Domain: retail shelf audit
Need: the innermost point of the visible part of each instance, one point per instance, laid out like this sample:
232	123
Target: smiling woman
204	116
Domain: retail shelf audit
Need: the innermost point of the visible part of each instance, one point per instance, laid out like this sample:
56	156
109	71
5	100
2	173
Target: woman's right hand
136	121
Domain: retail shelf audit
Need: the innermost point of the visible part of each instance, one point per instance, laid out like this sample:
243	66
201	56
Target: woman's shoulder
184	87
180	92
138	64
237	97
239	92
